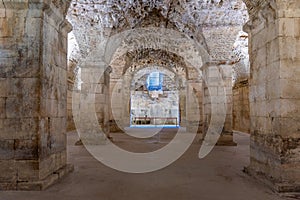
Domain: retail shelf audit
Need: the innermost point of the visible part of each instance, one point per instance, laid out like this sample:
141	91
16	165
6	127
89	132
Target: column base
226	143
286	189
226	139
41	184
220	142
114	128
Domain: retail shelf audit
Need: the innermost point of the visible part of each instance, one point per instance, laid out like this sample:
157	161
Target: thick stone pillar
116	108
193	106
217	86
33	94
182	107
103	101
241	110
70	91
93	102
274	48
126	99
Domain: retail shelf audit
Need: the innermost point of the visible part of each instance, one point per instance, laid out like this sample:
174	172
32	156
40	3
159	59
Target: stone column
182	107
241	110
92	114
116	108
217	90
120	96
193	106
70	91
274	48
126	99
33	94
102	99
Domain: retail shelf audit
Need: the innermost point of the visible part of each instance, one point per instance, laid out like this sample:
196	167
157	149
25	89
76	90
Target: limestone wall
275	94
33	101
167	105
241	110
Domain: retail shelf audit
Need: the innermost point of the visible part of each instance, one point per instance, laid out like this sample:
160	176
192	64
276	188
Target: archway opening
154	100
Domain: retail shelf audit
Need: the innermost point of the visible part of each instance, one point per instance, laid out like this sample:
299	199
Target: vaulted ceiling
188	16
214	24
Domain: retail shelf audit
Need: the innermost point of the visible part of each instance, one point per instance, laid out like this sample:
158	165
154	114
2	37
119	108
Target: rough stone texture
188	17
33	94
241	109
274	94
33	75
212	24
241	69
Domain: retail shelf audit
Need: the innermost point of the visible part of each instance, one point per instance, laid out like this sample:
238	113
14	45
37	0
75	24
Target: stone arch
155	57
136	66
152	38
175	86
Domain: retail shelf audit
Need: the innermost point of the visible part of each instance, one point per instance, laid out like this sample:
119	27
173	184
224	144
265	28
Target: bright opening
154	101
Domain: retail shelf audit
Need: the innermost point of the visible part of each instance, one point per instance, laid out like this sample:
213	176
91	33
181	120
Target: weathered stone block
287	26
6	25
260	39
290	89
13	107
289	127
6	149
4	87
30	107
27	170
26	149
50	107
289	48
259	59
289	69
51	164
10	175
30	87
2	108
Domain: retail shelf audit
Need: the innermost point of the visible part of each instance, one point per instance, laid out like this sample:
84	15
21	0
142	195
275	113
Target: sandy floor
219	176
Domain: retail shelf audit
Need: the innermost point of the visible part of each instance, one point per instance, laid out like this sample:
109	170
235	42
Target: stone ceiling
212	23
185	14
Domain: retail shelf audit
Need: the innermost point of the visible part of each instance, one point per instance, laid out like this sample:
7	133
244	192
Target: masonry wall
275	96
70	120
166	106
241	110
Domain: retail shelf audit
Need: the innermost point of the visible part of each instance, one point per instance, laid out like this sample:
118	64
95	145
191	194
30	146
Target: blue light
155	81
